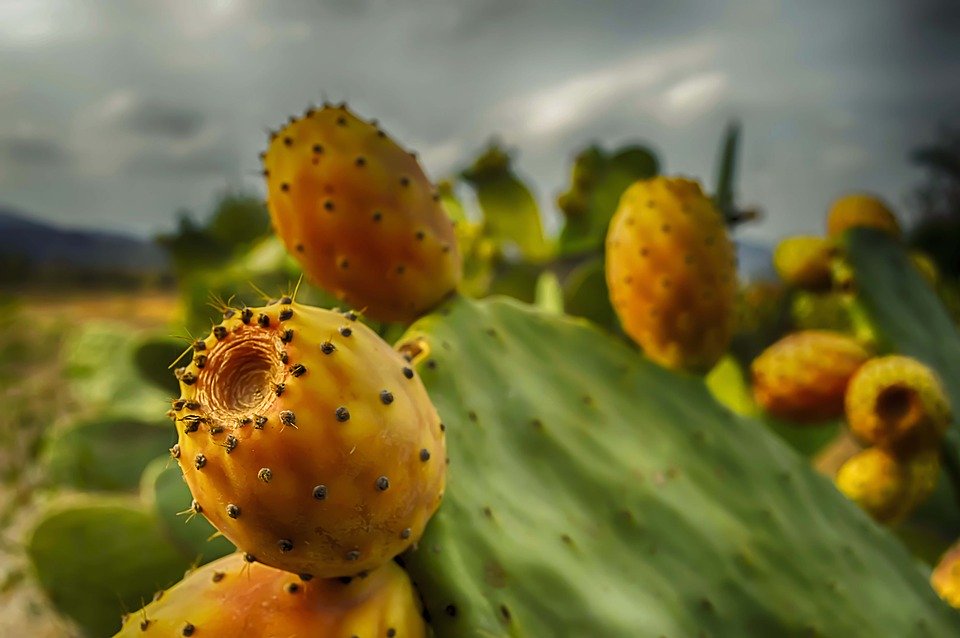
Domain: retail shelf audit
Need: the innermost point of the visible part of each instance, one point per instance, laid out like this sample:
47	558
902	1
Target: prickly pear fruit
897	403
945	578
803	376
671	270
308	441
861	210
360	215
878	482
804	261
231	597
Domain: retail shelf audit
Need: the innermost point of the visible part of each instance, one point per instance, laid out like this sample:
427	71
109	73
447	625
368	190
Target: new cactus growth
897	403
359	214
232	597
308	441
803	377
671	271
804	261
858	211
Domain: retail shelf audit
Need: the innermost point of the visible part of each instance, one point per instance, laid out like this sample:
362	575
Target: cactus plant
598	179
594	493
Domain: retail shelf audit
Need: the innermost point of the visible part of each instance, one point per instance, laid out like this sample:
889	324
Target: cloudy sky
114	114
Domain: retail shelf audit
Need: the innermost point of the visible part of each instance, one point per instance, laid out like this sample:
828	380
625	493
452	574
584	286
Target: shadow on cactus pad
592	493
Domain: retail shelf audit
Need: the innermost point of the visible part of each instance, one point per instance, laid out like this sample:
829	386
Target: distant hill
51	248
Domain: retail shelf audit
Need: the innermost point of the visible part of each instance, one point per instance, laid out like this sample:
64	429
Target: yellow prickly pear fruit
804	261
945	578
876	481
803	376
861	210
359	215
671	271
897	403
308	441
231	597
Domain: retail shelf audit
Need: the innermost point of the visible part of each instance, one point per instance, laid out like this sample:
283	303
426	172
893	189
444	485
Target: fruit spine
359	214
671	270
307	440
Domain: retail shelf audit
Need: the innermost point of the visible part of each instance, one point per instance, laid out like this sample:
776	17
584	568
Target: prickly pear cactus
307	440
360	215
232	597
592	493
598	179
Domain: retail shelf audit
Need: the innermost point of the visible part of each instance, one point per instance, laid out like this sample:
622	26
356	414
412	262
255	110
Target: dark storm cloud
33	151
162	102
215	160
162	120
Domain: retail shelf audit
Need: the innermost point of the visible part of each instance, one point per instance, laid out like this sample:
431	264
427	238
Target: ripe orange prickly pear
861	210
360	215
804	261
803	376
897	403
231	597
945	578
671	270
877	481
308	441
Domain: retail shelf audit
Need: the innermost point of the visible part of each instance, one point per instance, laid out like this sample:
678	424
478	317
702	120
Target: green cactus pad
104	454
96	557
592	493
153	357
102	376
164	489
510	211
598	181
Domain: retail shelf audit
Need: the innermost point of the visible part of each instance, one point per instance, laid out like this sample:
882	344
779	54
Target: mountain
50	247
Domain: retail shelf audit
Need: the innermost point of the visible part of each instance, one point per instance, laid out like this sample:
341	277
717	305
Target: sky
116	114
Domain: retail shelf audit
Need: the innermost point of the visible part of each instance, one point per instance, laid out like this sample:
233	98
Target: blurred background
131	196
